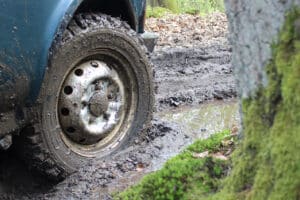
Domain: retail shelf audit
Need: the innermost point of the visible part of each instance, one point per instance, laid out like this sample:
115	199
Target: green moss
184	175
267	164
211	144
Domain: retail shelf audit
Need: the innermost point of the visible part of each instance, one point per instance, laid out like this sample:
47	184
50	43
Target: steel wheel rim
95	120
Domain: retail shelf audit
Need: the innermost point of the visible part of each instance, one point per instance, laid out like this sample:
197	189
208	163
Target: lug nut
94	64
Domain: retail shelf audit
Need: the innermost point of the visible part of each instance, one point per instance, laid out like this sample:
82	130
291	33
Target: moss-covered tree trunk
265	35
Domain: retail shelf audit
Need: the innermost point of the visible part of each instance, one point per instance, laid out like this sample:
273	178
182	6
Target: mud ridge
96	180
191	76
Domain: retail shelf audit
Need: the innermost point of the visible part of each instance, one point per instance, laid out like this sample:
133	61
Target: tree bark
254	27
265	36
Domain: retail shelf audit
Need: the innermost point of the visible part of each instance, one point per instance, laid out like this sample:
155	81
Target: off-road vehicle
75	80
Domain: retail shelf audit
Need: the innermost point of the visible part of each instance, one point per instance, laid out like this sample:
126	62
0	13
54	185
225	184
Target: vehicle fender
28	31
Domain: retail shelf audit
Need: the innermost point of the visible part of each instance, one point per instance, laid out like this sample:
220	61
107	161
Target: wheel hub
98	104
91	103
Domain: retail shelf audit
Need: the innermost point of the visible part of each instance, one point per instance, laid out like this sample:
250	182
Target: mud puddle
202	120
198	122
182	127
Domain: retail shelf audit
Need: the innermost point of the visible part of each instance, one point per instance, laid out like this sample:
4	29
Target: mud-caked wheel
97	95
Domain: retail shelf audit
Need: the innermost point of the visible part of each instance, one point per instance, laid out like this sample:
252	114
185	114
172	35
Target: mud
195	93
184	79
185	76
169	134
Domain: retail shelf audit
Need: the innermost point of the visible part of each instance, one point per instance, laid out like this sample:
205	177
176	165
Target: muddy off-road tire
97	96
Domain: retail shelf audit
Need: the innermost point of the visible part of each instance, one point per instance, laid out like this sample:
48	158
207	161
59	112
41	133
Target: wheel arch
28	38
115	8
131	11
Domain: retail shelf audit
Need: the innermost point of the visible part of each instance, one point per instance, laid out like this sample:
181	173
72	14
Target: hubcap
98	104
92	103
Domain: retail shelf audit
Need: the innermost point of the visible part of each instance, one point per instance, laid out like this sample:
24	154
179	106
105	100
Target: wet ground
195	91
195	97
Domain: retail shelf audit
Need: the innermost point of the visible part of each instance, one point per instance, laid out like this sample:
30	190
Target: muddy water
198	122
188	124
205	119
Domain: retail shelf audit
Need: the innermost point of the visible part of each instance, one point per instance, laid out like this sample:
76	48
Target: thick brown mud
195	92
185	76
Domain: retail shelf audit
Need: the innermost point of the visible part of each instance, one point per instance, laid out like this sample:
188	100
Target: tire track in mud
192	76
183	76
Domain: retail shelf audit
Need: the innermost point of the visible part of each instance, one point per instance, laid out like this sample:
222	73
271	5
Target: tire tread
33	150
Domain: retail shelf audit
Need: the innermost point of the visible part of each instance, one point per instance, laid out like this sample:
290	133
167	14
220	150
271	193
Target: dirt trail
184	77
192	76
192	59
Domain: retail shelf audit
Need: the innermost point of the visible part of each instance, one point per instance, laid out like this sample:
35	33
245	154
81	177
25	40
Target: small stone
6	142
174	103
186	136
159	147
203	129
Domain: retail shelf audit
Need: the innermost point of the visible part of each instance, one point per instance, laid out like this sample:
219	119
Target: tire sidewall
69	54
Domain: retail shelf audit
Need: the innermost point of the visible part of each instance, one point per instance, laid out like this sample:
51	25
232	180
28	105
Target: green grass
157	12
266	165
184	176
193	7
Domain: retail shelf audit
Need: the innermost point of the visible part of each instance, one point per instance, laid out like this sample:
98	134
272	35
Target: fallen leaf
219	156
140	167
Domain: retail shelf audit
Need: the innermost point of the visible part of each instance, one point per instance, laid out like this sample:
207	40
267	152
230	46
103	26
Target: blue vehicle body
28	31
